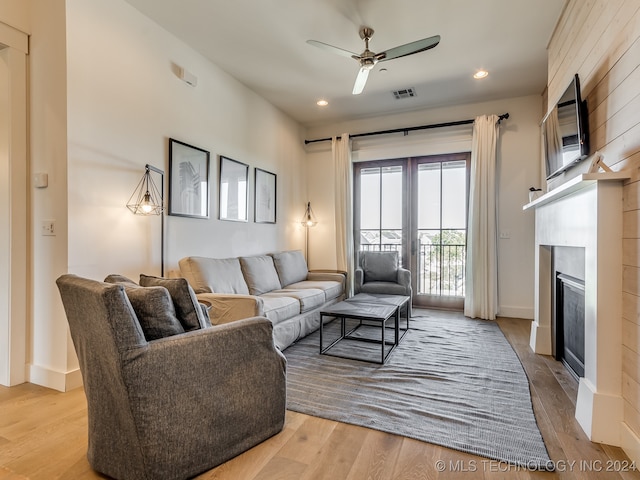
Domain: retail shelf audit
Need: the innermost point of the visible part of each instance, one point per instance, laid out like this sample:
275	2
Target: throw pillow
153	307
291	267
155	312
191	315
380	266
260	274
121	279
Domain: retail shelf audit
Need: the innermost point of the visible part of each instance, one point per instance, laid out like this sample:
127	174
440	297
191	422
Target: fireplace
586	213
569	323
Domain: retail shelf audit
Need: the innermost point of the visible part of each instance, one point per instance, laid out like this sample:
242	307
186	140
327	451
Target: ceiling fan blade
361	80
331	48
409	48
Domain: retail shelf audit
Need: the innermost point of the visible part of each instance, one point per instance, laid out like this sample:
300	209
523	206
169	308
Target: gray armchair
174	407
380	272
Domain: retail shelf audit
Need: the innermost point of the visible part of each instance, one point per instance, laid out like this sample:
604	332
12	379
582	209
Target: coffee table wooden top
360	311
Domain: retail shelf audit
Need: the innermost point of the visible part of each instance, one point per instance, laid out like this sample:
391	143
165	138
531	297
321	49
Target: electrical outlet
505	234
48	228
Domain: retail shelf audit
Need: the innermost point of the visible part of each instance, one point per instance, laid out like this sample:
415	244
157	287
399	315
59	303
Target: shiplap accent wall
600	41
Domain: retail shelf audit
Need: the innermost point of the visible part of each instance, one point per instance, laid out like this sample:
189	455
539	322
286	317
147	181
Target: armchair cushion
260	274
379	266
190	313
291	267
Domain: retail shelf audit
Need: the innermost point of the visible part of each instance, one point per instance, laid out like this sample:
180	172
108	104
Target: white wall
518	167
105	100
16	14
124	105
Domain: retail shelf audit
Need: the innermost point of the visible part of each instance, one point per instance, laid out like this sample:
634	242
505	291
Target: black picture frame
233	189
265	190
188	180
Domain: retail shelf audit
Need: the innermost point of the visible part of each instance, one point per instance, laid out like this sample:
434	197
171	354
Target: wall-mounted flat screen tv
565	132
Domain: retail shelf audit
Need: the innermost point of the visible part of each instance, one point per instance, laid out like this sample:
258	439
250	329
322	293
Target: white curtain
481	281
341	150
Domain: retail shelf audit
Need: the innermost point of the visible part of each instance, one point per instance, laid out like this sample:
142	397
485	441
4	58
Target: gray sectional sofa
277	286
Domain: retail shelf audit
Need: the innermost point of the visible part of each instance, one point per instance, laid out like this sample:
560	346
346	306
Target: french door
417	206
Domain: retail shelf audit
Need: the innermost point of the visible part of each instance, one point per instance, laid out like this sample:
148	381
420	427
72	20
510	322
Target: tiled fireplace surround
586	212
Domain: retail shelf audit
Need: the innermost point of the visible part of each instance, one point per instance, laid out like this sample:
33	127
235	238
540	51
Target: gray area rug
452	381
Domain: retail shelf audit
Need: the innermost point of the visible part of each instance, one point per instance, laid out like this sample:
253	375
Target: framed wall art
265	196
234	189
188	180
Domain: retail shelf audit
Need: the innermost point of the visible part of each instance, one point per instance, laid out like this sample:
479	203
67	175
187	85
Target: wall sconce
147	199
308	221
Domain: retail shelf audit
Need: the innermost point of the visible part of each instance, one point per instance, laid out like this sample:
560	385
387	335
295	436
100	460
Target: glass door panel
439	230
381	207
417	206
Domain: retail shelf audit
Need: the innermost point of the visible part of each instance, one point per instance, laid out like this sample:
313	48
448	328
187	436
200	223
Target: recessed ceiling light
480	74
322	103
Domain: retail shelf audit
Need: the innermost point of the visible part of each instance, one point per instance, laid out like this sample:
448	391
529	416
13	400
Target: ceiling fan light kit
368	59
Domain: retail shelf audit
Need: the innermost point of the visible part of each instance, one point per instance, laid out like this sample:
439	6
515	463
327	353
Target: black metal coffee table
374	311
400	301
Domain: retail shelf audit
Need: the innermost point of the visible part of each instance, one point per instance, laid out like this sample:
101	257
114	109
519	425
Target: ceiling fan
368	59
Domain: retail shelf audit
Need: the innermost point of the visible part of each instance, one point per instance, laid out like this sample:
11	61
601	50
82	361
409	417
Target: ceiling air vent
404	93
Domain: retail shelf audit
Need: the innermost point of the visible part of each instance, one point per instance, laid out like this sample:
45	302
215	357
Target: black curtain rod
408	129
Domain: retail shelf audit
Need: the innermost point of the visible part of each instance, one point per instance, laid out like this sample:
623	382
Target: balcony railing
441	270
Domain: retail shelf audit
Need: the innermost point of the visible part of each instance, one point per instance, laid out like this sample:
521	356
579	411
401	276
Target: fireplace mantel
586	212
572	186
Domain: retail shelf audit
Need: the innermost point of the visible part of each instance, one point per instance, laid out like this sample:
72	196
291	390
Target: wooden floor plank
43	434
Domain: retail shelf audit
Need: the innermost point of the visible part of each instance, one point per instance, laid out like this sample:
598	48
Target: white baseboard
61	381
516	312
630	443
540	339
599	414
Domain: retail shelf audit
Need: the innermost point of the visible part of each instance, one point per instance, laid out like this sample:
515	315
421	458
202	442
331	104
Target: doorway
13	206
418	207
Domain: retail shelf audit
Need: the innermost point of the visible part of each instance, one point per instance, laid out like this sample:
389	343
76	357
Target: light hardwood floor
43	436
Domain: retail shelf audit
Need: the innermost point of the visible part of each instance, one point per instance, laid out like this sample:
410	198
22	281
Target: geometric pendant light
148	200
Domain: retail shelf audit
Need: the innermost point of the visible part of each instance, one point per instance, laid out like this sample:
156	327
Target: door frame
13	316
409	257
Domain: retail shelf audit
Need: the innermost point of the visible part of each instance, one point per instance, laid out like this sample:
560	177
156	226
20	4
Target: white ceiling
262	43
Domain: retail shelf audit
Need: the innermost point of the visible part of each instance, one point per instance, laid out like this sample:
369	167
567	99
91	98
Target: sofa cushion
279	308
214	275
153	307
188	310
309	298
380	266
330	288
291	267
260	274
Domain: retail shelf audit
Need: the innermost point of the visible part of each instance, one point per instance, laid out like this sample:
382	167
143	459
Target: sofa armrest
211	393
358	279
229	307
404	277
324	276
